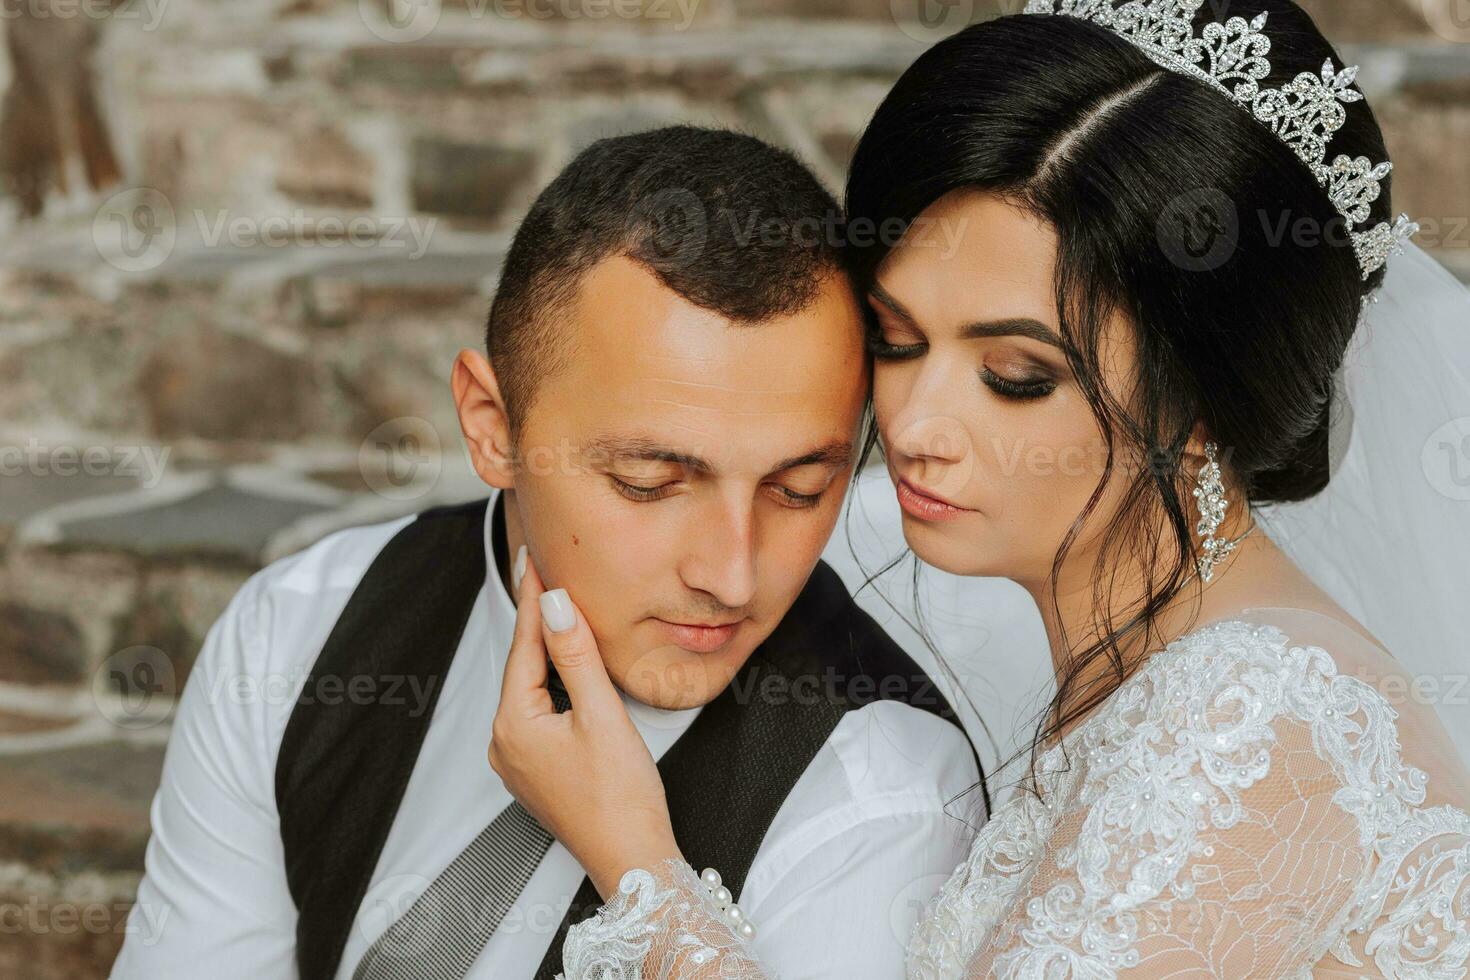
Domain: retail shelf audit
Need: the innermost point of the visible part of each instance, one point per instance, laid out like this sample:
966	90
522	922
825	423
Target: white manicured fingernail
518	571
556	609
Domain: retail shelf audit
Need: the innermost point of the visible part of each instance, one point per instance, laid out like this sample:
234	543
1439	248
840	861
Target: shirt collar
501	603
645	717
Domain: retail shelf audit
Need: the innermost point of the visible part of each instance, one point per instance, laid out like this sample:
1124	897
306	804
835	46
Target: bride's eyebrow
1015	326
1010	327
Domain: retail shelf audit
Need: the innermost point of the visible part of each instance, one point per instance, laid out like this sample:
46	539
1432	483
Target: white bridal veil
1389	538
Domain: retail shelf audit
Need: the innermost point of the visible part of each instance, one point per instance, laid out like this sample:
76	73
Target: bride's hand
585	774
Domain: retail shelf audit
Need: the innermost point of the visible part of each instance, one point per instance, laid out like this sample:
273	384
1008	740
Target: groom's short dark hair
729	222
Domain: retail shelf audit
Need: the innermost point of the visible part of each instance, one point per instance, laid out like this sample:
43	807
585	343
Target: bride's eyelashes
1025	389
1016	389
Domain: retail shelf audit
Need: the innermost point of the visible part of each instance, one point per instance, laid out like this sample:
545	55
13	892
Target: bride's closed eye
1017	384
1020	389
884	350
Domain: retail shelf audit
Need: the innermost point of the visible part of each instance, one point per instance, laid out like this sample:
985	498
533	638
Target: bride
1160	235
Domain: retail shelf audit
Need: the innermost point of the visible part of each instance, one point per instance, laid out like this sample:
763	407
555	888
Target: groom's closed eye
644	493
637	465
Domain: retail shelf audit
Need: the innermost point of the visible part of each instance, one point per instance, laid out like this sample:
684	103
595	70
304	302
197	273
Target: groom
667	417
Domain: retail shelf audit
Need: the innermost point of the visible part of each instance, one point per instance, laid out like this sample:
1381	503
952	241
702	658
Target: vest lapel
344	762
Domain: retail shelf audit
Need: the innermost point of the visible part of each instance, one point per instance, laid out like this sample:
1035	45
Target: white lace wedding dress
1269	796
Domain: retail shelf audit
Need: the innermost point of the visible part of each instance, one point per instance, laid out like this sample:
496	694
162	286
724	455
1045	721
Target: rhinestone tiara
1304	113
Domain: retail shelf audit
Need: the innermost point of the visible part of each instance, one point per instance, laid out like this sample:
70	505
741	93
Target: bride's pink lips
698	639
925	507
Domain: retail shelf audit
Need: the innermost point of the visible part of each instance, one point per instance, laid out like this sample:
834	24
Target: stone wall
204	376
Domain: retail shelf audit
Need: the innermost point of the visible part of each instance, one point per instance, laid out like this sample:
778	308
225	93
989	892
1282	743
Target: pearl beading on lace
1304	113
726	901
1140	825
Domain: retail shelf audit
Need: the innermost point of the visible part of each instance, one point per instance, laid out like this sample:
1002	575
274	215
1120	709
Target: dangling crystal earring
1210	492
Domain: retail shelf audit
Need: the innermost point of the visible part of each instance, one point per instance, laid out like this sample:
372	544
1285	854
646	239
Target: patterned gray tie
447	926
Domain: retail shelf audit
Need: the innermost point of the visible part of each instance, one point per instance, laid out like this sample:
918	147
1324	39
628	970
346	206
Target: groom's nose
719	553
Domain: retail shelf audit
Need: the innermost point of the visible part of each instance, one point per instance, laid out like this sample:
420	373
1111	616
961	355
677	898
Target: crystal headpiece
1304	113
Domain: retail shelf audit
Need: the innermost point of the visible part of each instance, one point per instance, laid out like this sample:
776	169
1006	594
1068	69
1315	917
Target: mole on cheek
575	542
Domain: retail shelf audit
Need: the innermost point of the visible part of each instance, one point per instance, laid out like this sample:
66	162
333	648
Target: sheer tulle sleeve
1173	871
661	925
1241	808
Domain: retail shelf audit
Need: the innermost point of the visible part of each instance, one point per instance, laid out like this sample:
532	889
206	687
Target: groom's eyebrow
1007	327
835	454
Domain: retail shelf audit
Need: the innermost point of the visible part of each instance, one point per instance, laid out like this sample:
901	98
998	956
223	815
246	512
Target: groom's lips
698	638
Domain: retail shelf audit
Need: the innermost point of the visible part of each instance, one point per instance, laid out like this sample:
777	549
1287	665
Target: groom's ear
483	419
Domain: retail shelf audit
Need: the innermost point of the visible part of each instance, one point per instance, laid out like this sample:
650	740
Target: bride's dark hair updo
1118	154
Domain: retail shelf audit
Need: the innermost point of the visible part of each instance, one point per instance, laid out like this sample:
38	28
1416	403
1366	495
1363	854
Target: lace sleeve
661	925
1239	809
1166	871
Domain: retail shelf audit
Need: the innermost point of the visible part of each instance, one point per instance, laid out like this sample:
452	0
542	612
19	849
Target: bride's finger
524	683
578	660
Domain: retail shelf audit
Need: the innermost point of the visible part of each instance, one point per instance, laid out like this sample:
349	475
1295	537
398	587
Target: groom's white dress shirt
867	834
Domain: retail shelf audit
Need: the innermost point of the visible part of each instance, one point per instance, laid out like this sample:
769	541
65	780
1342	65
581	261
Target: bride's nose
926	427
936	438
931	443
